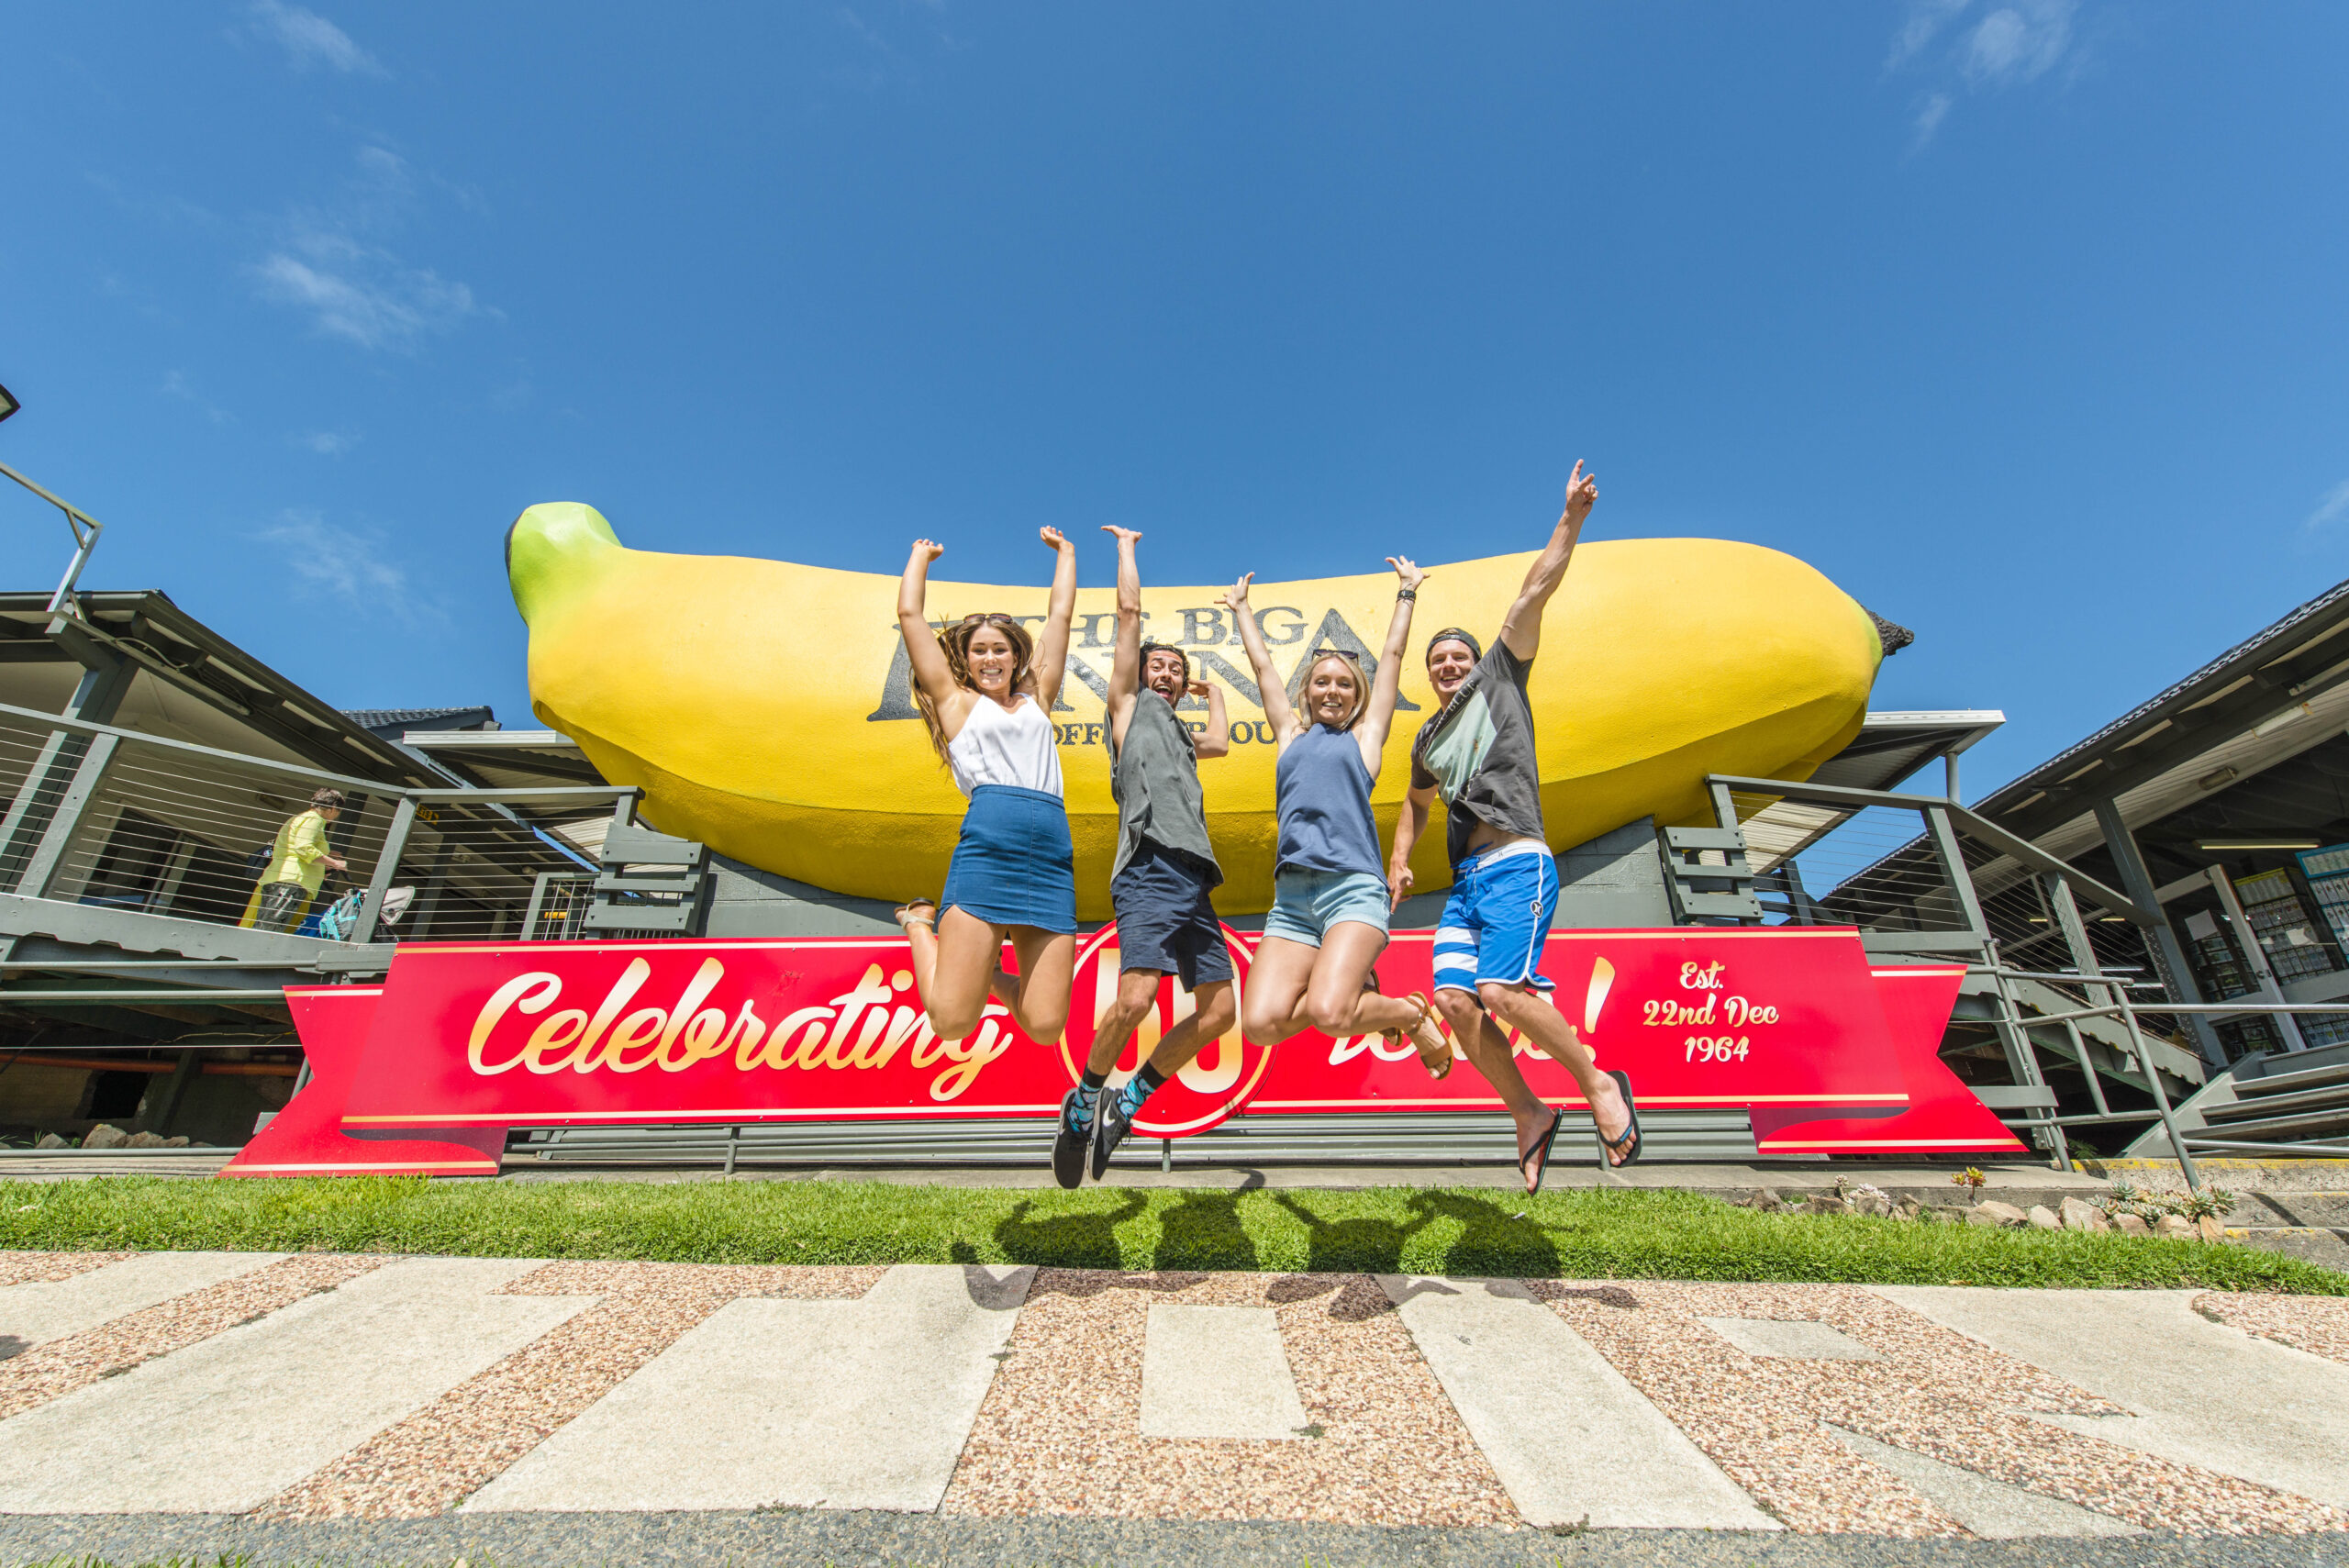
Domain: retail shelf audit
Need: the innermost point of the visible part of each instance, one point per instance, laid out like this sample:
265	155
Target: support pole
2170	965
49	855
387	866
2255	957
2022	1058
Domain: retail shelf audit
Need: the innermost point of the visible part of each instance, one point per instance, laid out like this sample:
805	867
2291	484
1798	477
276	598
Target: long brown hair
955	643
1353	667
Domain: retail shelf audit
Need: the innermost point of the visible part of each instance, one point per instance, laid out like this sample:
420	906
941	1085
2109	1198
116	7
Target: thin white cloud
1923	24
343	565
176	384
330	443
2333	508
2018	43
1929	115
332	265
1961	50
310	40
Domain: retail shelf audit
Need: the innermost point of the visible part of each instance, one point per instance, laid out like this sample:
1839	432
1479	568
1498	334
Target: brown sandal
1436	1058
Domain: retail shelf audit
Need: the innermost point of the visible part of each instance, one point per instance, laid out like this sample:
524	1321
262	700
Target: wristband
1411	593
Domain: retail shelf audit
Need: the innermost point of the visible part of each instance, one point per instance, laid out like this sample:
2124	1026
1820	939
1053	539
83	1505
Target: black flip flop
1541	1148
1630	1133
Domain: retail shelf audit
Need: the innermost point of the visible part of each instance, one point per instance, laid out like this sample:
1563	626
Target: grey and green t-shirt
1478	753
1155	779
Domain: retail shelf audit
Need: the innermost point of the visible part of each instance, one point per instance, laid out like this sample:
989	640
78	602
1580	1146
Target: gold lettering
781	1052
742	1040
555	1033
700	1040
641	1028
904	1024
533	992
705	979
971	1056
621	994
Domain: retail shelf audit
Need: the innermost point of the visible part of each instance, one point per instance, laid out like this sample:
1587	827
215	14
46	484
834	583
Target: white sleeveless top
998	747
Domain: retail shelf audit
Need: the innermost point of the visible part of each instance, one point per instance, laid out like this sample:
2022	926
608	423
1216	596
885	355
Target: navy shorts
1164	922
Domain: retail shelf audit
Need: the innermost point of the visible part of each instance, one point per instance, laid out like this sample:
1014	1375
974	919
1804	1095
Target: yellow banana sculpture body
764	707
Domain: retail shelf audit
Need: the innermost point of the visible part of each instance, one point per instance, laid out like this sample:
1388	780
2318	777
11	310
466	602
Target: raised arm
1260	660
922	653
1125	664
1216	740
1052	649
1379	716
1522	630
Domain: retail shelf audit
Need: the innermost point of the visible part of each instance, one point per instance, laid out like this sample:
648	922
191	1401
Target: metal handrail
76	520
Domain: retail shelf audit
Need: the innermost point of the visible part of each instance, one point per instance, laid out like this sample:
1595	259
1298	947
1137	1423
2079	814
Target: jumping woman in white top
986	691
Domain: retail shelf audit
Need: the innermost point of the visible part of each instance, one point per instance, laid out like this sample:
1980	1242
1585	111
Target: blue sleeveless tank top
1324	794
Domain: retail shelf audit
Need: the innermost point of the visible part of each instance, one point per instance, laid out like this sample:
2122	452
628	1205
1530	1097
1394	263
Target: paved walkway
501	1401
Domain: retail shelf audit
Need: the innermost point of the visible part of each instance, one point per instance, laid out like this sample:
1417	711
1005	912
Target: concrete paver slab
1569	1437
1795	1339
2205	1393
38	1312
802	1404
1217	1372
1991	1509
226	1424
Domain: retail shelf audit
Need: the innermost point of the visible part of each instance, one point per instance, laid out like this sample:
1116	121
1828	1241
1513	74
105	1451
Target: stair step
2281	1128
2290	1082
2329	1096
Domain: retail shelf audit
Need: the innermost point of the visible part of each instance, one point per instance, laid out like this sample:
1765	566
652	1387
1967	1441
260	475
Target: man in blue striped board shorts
1476	754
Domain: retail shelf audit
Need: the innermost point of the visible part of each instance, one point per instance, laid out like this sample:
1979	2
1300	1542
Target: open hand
926	550
1582	494
1237	594
1398	885
1411	574
1123	536
1054	537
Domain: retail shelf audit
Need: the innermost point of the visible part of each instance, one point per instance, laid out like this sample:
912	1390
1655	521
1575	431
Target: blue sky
2024	321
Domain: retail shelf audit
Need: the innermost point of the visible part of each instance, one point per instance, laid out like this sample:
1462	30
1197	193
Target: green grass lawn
1579	1233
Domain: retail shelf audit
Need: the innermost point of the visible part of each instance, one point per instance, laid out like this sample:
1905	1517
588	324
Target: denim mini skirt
1014	865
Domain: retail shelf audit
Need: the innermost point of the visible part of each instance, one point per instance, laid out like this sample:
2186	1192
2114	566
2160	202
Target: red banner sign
1828	1053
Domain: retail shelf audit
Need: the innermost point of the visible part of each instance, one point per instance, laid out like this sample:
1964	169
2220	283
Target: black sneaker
1070	1135
1111	1125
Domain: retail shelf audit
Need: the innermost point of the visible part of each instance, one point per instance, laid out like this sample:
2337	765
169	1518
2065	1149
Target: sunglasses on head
1348	654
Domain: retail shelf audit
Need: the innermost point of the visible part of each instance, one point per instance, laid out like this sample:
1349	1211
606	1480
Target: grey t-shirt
1478	753
1155	779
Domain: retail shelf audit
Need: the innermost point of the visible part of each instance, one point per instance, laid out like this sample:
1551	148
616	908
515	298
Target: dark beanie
1453	634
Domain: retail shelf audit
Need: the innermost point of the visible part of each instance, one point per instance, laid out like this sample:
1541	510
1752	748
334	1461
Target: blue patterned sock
1078	1109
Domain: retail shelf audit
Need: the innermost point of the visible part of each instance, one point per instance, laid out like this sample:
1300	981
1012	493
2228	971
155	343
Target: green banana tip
545	547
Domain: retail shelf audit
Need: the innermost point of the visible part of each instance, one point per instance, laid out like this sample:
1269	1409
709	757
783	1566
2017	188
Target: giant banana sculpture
764	707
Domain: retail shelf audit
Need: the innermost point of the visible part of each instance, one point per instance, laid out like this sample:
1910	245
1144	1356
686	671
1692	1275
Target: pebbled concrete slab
1991	1509
1217	1372
790	1404
2205	1393
827	1539
1568	1435
38	1312
226	1424
1791	1339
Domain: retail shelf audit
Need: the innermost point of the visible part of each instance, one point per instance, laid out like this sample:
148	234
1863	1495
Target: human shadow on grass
1492	1240
1083	1240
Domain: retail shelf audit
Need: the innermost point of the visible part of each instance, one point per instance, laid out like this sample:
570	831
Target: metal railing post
49	855
387	866
2023	1057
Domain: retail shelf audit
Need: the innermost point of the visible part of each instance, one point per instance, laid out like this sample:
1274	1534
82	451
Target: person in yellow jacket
299	860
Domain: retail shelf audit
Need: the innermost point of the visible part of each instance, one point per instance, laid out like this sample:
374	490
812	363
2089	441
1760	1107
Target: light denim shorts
1307	903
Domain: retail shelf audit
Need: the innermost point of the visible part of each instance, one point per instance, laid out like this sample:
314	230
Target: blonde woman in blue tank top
1328	923
987	690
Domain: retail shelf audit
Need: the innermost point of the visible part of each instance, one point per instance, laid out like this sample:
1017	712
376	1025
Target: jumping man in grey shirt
1164	871
1476	755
